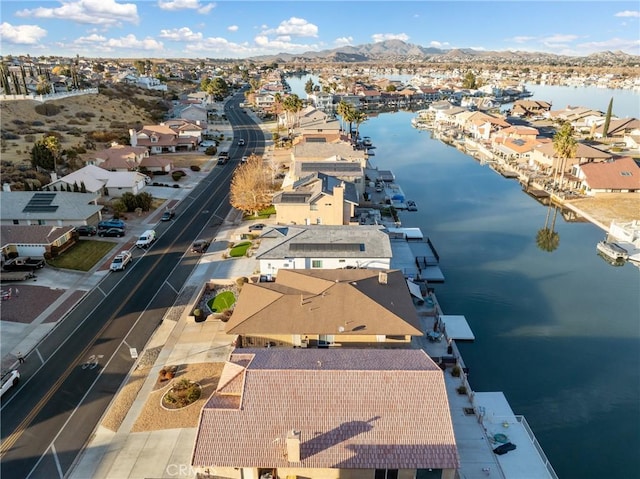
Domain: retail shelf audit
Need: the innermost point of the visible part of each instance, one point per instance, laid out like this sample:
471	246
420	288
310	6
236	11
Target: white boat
612	250
366	142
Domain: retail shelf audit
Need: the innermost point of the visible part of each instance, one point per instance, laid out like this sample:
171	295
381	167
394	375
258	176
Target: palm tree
565	147
277	106
292	104
547	238
359	117
342	110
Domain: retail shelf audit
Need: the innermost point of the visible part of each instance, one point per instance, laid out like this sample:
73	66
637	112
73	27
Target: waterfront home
292	413
324	247
48	208
479	125
526	108
620	128
35	240
322	100
326	308
618	176
97	180
317	198
119	157
545	159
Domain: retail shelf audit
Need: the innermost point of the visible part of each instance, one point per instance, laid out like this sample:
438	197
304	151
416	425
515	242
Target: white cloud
186	5
381	37
21	34
343	41
522	39
128	42
233	28
296	27
183	34
437	44
99	12
628	13
559	38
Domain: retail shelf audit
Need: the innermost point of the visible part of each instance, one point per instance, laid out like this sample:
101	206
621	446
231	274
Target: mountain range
398	50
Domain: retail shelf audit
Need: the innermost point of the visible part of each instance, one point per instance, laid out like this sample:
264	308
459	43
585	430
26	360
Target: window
16	222
313	206
42	222
316	263
386	474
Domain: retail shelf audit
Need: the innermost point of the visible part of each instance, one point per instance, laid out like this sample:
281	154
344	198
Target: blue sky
240	29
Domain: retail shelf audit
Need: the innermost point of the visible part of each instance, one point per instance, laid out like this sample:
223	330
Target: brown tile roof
583	151
621	174
355	409
323	301
32	234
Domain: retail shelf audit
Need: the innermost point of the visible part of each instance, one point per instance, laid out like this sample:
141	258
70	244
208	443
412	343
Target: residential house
100	181
265	101
188	129
479	125
314	121
530	108
23	240
363	308
162	139
151	83
192	113
616	176
322	101
48	208
349	414
119	157
324	247
319	199
544	158
620	128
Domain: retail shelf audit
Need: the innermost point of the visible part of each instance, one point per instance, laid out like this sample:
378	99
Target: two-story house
119	157
318	199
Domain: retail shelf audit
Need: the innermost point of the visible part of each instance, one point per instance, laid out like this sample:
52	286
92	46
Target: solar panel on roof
40	203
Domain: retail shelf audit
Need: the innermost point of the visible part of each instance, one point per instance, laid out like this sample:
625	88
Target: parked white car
10	380
121	261
146	239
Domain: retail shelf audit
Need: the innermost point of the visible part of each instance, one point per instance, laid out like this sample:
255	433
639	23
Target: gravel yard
607	207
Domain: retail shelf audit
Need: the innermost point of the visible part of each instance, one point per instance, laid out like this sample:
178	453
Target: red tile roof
355	409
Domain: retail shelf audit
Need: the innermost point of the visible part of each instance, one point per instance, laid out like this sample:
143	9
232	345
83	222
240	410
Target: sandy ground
153	416
609	207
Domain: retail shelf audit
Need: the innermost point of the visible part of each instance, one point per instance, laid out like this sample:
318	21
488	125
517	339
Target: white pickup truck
9	380
121	261
146	239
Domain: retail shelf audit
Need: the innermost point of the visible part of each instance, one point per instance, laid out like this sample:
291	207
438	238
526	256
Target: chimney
293	446
382	277
133	137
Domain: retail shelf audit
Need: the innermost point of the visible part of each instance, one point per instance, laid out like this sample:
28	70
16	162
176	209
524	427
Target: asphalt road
76	370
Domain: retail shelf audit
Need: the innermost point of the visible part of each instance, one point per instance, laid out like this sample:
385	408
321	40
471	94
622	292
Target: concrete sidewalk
23	337
167	453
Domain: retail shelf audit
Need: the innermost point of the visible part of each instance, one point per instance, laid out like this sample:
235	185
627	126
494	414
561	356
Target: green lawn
221	302
262	214
83	255
239	249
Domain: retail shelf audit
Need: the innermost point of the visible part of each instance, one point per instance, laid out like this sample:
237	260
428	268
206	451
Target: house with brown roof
620	128
323	247
162	139
293	413
23	240
530	108
119	157
617	176
319	199
545	159
362	308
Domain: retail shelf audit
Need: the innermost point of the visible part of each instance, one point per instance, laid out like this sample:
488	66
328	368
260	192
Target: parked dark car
257	227
112	233
168	215
200	246
86	230
504	448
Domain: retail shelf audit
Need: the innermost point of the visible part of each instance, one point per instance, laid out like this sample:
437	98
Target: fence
50	96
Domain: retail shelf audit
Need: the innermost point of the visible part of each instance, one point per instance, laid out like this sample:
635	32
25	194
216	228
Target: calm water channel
558	332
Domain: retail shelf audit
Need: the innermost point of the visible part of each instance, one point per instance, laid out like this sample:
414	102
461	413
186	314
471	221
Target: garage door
30	250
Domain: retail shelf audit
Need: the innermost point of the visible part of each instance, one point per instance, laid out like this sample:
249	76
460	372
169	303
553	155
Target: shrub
194	168
48	109
210	151
176	175
176	186
30	138
455	371
461	389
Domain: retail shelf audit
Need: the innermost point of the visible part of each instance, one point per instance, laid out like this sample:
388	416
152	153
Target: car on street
257	227
168	215
10	380
241	142
121	261
200	246
244	159
86	230
112	233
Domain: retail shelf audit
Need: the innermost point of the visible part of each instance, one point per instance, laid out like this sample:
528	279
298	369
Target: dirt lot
609	207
